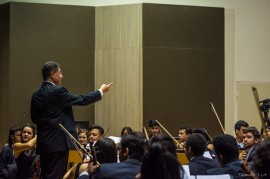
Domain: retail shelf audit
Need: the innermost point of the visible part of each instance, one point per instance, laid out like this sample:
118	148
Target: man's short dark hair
166	141
203	132
240	124
48	68
197	143
98	127
12	131
226	146
153	122
188	130
135	142
254	131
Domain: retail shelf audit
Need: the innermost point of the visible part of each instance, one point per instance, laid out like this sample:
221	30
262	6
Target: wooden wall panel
4	73
119	60
183	66
42	32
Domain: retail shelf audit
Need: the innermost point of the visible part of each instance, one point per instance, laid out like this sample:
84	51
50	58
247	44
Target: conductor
52	104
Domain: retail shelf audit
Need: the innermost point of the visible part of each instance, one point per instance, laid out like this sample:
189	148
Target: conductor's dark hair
106	151
197	143
262	159
240	124
135	142
98	127
226	146
160	161
12	131
254	132
48	68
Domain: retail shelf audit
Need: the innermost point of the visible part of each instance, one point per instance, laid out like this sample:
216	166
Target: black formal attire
198	165
8	167
26	163
127	170
251	153
232	168
51	105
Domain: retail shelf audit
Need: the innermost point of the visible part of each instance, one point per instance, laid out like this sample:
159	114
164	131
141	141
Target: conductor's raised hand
105	87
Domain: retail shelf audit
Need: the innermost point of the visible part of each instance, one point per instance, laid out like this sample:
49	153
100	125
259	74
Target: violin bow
257	100
23	117
93	152
105	132
177	143
74	142
214	111
145	133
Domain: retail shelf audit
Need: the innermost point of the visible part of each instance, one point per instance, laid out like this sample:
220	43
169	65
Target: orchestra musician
194	149
25	153
183	134
239	128
251	139
154	128
8	167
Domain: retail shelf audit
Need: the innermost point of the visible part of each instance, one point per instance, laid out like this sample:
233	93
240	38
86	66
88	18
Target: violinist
239	128
154	128
263	133
227	154
184	132
195	149
131	154
96	133
126	130
83	136
105	152
25	154
8	167
251	139
262	160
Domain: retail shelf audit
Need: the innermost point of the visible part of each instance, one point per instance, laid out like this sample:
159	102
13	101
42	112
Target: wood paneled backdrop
129	45
118	59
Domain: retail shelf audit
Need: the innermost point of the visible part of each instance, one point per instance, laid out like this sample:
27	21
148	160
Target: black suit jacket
50	106
199	165
127	170
232	168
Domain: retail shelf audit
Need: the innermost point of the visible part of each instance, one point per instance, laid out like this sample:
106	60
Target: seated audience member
126	130
195	147
183	134
154	128
261	160
251	139
239	128
131	154
25	154
226	149
106	152
8	167
160	160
